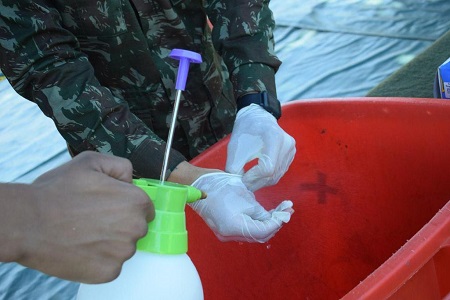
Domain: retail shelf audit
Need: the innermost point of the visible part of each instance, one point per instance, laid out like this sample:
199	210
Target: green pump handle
167	233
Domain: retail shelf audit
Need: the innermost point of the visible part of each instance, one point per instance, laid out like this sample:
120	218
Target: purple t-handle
185	57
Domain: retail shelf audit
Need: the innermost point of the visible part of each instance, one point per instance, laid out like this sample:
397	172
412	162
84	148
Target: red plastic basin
369	175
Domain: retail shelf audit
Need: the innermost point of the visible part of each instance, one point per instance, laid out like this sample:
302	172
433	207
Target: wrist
186	173
264	100
16	213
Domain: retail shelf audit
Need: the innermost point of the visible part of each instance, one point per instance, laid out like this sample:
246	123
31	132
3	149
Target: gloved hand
233	213
256	134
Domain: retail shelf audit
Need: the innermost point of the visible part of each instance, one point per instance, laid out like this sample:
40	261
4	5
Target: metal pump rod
185	57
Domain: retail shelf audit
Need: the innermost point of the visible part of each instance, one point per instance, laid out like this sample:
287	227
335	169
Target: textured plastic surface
167	232
369	173
149	276
185	57
419	270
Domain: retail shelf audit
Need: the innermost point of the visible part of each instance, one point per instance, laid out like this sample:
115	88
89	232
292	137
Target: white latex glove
233	213
256	134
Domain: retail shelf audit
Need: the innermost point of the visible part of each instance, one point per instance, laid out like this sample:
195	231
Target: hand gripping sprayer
160	268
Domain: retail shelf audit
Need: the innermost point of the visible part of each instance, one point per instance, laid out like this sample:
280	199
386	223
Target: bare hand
85	219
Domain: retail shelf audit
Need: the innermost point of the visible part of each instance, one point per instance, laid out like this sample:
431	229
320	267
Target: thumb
260	175
241	149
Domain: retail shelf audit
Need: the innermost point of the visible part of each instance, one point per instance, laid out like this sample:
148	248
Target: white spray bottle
160	269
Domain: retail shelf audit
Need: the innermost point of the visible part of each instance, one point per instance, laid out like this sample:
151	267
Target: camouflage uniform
100	69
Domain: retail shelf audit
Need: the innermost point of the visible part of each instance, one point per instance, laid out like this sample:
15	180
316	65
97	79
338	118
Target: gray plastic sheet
344	48
404	19
29	145
334	48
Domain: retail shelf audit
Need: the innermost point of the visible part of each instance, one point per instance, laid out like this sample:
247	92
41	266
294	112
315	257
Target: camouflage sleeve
42	62
243	35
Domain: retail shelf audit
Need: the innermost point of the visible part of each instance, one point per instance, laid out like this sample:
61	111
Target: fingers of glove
232	212
283	211
271	161
285	205
256	134
227	196
255	224
247	138
272	165
281	214
287	154
213	181
261	174
268	171
262	230
242	148
251	230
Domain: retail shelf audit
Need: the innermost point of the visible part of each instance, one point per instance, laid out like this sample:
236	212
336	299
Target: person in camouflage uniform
101	70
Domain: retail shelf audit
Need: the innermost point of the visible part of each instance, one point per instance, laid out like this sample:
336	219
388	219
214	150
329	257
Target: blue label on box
444	79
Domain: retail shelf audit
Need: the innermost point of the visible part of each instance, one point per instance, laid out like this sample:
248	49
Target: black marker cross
321	187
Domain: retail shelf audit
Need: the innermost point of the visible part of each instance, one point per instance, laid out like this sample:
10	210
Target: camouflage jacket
100	69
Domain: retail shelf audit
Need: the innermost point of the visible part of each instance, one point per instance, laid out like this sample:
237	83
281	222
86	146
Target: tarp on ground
343	48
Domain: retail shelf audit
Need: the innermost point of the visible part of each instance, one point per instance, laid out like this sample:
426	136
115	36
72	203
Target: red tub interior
369	173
